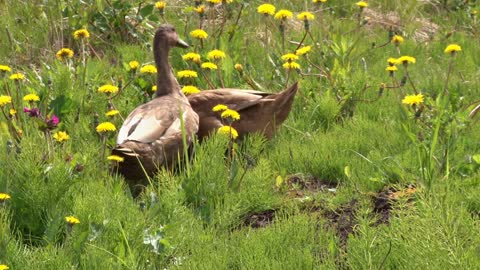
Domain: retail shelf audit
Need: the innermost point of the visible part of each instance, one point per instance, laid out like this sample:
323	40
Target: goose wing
149	122
235	99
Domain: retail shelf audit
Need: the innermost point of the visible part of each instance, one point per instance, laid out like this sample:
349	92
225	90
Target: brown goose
260	112
151	136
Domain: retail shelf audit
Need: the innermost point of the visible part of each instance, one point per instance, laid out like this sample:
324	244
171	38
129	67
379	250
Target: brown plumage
260	112
151	136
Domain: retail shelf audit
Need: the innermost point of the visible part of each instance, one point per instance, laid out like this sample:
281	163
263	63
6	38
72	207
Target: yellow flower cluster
17	77
4	68
305	16
319	1
266	9
71	220
4	100
190	89
215	55
362	4
31	98
230	114
200	9
133	65
105	127
291	65
160	5
199	33
283	14
4	197
81	34
229	131
4	267
115	158
289	57
148	69
453	48
64	53
61	136
191	56
214	1
396	39
405	60
112	113
209	65
220	108
108	89
303	50
187	74
413	99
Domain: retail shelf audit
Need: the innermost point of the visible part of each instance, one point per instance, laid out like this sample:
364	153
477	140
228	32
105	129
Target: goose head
166	36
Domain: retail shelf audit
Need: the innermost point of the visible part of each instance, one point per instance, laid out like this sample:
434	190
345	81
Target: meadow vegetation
377	166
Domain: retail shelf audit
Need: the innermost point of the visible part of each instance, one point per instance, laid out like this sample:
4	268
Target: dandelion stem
219	73
410	80
450	68
208	80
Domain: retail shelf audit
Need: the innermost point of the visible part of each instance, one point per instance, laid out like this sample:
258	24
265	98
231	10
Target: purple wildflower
52	122
33	112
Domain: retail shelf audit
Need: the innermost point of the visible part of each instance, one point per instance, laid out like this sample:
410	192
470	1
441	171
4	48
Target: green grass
341	131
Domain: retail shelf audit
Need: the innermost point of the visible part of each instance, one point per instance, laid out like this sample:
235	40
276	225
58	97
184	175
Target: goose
151	135
260	112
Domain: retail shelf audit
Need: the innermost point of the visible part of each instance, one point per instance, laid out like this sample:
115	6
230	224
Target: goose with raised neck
151	137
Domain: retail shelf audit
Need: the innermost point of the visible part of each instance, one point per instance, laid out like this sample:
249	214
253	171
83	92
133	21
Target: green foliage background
342	130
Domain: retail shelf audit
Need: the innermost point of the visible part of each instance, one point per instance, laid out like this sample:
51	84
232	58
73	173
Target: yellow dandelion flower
187	74
397	39
216	55
392	61
151	69
154	88
291	65
200	9
266	9
214	1
61	136
229	131
413	99
283	14
319	1
4	68
115	158
238	67
12	112
190	89
17	77
108	89
112	113
199	33
220	108
453	48
209	65
305	16
289	57
81	34
4	197
191	56
362	4
406	60
229	113
391	68
303	50
133	65
71	220
31	98
4	100
105	127
160	5
64	53
4	267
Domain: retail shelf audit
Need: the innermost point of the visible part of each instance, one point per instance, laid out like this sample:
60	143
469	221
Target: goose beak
182	44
